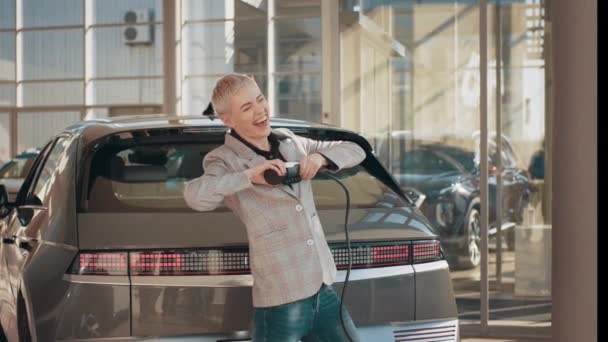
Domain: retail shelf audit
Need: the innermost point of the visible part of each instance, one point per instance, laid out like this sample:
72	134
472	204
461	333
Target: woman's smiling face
248	113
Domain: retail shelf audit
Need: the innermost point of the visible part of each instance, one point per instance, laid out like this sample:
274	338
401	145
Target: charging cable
290	177
350	258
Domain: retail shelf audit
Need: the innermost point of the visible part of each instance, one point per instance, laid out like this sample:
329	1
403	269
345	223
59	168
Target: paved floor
513	317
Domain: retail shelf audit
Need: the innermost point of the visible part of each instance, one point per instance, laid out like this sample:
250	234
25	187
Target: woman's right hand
256	173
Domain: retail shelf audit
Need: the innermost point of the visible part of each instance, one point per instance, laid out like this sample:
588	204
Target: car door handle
9	240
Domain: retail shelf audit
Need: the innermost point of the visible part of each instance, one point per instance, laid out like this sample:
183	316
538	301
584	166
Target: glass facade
408	80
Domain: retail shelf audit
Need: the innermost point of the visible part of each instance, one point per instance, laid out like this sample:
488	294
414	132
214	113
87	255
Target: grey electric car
100	245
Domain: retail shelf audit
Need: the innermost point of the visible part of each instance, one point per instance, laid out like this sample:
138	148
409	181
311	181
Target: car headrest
191	166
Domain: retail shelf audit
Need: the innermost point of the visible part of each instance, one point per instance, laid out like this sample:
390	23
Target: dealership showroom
471	217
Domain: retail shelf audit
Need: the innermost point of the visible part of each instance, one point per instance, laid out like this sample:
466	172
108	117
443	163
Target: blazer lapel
251	159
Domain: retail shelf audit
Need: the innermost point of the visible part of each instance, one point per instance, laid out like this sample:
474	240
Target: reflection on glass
298	97
229	9
54	54
298	8
43	13
298	45
35	129
216	48
208	48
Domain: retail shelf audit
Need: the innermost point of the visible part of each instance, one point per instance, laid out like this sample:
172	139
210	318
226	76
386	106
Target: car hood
430	185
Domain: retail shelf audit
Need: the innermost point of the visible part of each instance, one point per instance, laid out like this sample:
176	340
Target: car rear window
151	178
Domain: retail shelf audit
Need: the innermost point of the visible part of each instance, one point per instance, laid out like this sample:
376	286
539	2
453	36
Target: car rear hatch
189	271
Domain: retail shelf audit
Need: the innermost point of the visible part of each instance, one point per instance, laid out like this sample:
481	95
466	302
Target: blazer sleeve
342	154
207	192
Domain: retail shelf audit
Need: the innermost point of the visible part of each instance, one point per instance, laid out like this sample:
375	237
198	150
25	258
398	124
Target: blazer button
298	207
310	242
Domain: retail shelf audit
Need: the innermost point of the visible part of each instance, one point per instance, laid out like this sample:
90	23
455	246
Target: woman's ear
226	119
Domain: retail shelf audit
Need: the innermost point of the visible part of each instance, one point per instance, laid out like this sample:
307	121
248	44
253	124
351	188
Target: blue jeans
315	318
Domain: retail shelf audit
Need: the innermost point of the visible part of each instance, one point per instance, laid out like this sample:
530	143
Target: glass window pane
7	56
7	94
197	92
250	46
298	97
113	11
208	48
7	14
136	91
56	54
221	47
51	93
44	13
36	129
112	57
298	45
229	9
5	136
45	178
298	7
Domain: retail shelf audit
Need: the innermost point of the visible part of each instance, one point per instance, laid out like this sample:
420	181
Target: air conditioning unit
136	33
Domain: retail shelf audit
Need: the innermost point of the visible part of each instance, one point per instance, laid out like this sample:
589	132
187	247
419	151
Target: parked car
100	244
14	171
449	178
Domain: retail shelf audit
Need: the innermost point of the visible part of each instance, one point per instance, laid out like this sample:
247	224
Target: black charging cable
350	257
292	176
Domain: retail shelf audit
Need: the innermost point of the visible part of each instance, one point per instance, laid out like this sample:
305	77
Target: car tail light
370	256
236	260
190	262
426	251
100	263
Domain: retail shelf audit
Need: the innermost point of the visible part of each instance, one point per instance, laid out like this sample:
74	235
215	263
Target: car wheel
23	323
472	252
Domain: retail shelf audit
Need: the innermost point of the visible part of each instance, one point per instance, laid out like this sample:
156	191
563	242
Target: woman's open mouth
261	123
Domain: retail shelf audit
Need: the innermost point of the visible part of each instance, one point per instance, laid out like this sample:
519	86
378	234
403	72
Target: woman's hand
256	173
310	165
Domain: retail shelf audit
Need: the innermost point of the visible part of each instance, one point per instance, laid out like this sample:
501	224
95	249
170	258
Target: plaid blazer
288	254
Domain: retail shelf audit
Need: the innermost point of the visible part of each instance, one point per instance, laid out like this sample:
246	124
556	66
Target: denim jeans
315	318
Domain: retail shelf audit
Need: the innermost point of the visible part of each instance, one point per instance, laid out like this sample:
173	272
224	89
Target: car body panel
71	307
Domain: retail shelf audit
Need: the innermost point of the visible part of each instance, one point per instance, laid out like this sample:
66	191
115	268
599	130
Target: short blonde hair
225	88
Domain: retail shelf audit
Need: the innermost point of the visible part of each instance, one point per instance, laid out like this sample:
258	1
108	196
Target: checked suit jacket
288	253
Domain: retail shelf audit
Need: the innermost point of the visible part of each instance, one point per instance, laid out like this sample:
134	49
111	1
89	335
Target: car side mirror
26	212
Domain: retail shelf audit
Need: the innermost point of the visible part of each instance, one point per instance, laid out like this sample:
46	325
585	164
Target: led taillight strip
236	260
190	262
427	251
104	263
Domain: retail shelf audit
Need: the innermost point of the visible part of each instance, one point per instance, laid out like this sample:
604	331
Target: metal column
483	103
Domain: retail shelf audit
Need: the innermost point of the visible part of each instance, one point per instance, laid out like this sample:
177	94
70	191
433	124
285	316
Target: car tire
23	326
472	249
